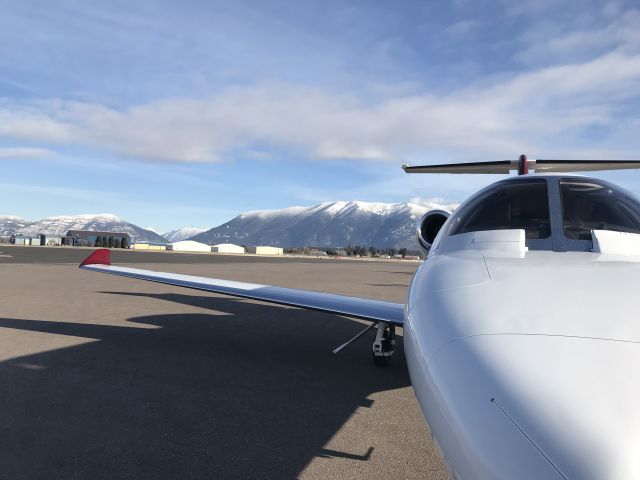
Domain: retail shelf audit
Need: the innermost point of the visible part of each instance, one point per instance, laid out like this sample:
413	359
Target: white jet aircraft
519	328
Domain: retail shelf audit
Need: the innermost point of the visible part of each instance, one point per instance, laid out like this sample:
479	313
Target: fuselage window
518	204
589	205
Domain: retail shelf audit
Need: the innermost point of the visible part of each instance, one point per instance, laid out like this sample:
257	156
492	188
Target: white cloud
59	192
461	28
12	153
331	150
435	203
552	42
529	7
536	111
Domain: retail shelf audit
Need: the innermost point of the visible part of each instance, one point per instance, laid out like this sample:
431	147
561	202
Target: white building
190	246
20	239
227	248
149	246
264	250
50	240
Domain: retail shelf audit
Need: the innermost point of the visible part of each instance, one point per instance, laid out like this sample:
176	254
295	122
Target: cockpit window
521	204
590	205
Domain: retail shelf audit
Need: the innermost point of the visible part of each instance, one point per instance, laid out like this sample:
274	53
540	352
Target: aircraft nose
575	400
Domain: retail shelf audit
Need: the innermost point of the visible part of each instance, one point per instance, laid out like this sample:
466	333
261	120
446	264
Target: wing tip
102	256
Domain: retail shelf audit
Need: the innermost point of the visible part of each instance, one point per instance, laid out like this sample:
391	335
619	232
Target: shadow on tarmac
248	391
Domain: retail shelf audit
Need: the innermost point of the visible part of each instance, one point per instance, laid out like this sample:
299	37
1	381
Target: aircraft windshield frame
549	216
522	204
589	204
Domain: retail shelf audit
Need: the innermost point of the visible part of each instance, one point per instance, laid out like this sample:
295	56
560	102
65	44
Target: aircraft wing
376	310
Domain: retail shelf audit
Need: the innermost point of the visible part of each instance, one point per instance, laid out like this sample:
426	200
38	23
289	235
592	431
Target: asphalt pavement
110	377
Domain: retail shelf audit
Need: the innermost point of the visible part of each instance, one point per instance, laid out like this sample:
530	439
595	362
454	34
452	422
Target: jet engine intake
429	226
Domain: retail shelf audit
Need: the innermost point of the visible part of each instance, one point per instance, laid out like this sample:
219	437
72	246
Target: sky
172	114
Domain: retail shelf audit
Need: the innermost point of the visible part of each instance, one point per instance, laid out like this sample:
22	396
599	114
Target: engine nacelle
429	226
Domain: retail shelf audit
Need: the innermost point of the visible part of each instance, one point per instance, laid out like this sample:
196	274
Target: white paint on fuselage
551	337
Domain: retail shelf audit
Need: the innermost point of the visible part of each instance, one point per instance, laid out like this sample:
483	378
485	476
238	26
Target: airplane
519	328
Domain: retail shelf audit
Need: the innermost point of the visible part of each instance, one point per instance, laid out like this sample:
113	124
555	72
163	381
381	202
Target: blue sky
172	114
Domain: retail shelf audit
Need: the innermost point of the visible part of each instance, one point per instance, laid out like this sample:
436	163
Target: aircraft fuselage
522	359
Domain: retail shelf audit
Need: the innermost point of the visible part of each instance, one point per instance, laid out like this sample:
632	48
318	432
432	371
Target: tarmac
109	377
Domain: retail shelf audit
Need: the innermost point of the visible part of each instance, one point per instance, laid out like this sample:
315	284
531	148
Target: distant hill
328	224
184	233
62	224
9	224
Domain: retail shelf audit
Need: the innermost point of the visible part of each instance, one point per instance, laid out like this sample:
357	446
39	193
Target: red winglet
100	257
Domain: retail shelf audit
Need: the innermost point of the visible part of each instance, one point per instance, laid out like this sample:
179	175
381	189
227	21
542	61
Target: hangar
52	240
190	246
265	250
149	246
19	239
227	248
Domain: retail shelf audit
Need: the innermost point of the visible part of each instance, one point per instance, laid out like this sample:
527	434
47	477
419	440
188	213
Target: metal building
227	248
19	239
265	250
190	246
51	240
149	246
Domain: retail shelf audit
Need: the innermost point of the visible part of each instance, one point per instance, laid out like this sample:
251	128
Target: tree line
354	251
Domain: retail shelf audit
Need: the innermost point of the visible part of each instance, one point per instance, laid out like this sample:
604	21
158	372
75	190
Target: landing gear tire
379	361
384	344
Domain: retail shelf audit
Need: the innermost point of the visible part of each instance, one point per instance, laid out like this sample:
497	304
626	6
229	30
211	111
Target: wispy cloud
553	42
537	110
34	121
79	194
11	153
435	203
529	7
460	28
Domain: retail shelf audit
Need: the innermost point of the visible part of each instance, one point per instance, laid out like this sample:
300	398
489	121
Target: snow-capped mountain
328	224
184	233
10	223
99	223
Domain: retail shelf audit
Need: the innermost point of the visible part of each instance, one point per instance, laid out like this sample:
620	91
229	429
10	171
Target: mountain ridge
184	233
327	224
61	224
